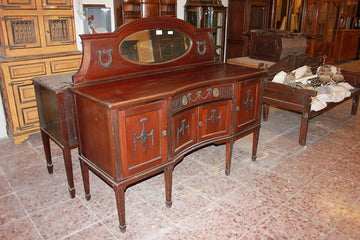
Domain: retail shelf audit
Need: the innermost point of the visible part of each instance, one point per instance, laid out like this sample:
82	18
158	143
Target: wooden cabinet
37	29
347	37
199	123
209	14
321	20
18	91
37	38
244	16
135	9
151	114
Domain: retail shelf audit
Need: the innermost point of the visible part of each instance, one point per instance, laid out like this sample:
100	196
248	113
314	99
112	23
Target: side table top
55	83
353	66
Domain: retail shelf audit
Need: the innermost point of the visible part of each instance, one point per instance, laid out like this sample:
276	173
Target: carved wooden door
247	104
214	120
143	137
184	128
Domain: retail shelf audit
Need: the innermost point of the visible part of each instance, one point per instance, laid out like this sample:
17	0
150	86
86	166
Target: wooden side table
56	116
351	72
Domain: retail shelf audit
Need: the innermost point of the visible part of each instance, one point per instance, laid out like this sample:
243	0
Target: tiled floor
290	192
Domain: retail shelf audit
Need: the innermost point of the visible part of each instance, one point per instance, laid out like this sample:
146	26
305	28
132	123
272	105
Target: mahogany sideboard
139	111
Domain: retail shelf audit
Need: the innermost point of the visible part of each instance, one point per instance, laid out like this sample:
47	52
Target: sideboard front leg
168	185
229	148
255	142
304	128
120	203
85	176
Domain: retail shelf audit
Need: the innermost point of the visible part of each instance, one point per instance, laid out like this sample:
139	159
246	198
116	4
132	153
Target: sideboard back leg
229	148
256	134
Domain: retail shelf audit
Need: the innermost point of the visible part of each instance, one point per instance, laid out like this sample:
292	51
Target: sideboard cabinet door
143	137
214	120
247	106
184	129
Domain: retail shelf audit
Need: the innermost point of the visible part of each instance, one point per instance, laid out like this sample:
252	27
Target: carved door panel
247	106
184	127
22	31
214	120
59	30
143	137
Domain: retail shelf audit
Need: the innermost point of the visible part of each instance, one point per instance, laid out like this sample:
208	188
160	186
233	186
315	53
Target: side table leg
85	176
355	104
120	203
46	145
69	170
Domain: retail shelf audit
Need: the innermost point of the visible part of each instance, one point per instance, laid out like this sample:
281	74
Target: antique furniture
294	99
56	117
37	38
244	16
273	45
135	9
209	14
320	23
139	117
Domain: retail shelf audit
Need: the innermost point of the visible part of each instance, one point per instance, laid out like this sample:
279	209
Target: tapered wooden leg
69	170
46	145
229	148
255	143
168	185
120	203
85	176
266	111
304	128
355	104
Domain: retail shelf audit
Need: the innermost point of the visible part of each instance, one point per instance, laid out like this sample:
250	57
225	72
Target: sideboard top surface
161	85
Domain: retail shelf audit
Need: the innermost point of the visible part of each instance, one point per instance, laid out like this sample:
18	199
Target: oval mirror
154	45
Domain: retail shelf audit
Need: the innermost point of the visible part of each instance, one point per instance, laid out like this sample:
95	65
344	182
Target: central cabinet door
143	137
200	123
247	104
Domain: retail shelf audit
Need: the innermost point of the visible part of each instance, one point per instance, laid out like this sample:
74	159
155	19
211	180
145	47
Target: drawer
201	95
27	70
24	91
29	116
65	65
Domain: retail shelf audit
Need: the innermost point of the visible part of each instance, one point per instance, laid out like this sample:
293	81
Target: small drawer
27	70
30	115
65	65
201	95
